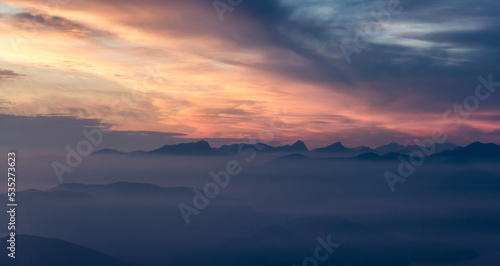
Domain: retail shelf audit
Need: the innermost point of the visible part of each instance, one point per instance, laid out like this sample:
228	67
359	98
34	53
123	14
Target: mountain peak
335	147
477	144
298	142
483	148
203	142
474	150
192	148
299	145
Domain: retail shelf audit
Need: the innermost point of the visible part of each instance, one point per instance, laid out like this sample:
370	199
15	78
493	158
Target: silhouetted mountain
362	149
193	148
336	147
202	148
481	149
398	148
367	156
391	147
298	146
34	250
473	150
236	148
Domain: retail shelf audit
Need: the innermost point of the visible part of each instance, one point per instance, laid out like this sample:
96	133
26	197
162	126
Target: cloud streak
268	53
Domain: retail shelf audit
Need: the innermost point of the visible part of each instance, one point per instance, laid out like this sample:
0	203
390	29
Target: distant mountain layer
34	250
398	148
203	148
298	146
198	148
336	147
476	150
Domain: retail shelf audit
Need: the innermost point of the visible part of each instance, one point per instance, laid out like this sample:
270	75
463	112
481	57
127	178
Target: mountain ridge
203	148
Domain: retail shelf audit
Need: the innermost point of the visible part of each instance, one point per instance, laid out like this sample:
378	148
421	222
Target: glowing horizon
184	71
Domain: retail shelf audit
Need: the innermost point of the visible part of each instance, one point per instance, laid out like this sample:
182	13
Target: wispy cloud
272	53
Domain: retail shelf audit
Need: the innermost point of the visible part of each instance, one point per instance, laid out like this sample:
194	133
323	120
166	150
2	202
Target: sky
176	70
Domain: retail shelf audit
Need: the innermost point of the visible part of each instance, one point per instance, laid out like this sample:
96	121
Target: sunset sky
173	66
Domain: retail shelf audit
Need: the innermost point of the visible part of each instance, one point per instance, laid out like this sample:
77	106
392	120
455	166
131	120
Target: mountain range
391	150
